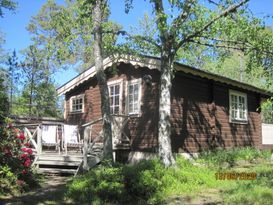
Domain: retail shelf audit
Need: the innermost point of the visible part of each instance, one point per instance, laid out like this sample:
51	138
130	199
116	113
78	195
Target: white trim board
154	63
108	62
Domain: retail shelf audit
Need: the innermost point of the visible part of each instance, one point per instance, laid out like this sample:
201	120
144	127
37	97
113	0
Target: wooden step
58	163
60	158
57	171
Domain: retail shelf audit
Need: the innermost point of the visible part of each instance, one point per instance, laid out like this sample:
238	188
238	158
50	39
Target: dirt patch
208	197
51	192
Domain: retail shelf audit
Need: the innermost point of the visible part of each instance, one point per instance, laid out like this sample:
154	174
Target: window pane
131	100
136	89
116	110
117	100
133	95
131	89
117	89
238	106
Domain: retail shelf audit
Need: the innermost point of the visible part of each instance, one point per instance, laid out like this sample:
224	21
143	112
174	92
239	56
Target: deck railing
118	134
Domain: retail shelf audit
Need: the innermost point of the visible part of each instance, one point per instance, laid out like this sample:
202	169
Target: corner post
85	147
39	140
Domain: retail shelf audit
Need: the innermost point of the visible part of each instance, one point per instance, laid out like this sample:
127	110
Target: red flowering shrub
15	159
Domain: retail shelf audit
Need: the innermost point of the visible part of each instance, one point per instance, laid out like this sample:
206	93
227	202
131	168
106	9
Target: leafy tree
3	100
7	4
66	33
98	9
38	87
235	67
190	25
13	77
33	71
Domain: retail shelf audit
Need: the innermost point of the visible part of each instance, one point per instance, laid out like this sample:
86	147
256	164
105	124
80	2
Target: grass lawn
239	176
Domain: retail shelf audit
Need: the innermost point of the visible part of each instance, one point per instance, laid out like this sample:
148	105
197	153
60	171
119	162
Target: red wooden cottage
207	110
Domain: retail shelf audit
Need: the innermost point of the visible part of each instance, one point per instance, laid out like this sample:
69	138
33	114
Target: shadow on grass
53	192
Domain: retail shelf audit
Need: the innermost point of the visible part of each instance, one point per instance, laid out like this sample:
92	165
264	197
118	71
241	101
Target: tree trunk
31	94
102	82
164	123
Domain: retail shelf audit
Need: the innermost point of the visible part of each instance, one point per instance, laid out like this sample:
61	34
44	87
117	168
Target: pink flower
27	144
27	163
21	136
24	171
24	149
29	151
24	156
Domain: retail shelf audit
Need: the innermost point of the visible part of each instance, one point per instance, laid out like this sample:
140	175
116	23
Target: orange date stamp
236	176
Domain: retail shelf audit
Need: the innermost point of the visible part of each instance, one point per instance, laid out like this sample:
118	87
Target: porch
59	156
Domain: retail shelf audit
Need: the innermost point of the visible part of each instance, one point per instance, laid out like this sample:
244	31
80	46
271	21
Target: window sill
134	115
75	112
242	122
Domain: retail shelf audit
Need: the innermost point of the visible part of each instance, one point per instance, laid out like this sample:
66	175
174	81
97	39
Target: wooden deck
58	159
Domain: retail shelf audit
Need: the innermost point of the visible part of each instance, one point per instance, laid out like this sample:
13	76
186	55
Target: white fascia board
108	62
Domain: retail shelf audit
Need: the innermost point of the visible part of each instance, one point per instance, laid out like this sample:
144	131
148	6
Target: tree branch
134	37
161	20
248	47
227	11
244	43
183	15
213	2
216	46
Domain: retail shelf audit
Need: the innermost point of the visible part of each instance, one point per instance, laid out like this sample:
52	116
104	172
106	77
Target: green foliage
3	100
149	182
13	78
7	4
15	160
145	183
267	111
257	191
218	157
118	185
37	86
65	32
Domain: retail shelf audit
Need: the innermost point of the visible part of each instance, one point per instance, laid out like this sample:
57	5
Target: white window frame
129	83
81	96
238	119
113	83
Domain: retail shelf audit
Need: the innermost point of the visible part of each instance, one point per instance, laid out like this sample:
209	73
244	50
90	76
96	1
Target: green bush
219	156
149	182
15	160
145	183
122	184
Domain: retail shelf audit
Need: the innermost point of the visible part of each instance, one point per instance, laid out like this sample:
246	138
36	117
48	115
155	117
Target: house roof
154	63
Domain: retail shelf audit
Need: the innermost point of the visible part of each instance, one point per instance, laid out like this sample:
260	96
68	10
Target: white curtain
71	134
49	133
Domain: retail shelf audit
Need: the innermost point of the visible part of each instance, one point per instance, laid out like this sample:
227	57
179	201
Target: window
115	90
237	106
77	103
134	95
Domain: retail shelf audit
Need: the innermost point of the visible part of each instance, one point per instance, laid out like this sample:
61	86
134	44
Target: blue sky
17	37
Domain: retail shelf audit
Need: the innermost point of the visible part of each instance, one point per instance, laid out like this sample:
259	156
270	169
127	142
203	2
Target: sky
13	25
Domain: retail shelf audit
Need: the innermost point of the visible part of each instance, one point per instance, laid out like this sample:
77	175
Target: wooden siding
200	116
200	112
143	129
